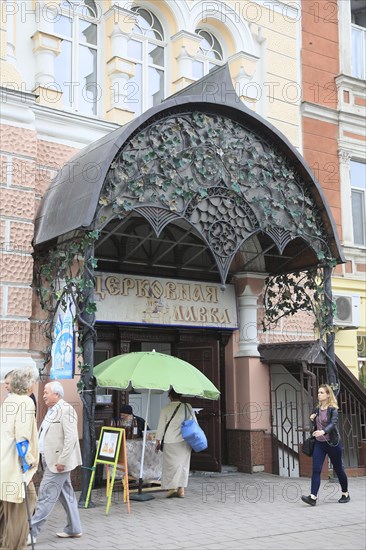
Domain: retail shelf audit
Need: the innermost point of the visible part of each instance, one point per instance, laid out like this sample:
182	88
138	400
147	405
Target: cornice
355	84
320	112
19	108
55	125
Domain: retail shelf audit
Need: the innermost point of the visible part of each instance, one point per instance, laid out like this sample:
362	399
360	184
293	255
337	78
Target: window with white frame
358	18
76	65
209	55
146	48
358	197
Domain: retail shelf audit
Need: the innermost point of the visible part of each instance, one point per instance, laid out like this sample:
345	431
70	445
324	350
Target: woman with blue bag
176	452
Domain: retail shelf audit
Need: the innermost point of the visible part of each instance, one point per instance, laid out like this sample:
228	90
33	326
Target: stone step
225	470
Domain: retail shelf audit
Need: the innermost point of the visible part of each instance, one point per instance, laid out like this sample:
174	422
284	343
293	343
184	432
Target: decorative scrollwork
210	170
222	238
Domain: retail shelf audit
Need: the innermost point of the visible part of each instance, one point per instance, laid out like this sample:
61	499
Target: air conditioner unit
347	310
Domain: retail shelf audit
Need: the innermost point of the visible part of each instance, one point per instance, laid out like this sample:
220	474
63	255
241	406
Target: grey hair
21	381
57	388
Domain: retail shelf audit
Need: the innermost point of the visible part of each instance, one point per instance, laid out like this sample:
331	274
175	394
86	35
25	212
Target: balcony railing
358	52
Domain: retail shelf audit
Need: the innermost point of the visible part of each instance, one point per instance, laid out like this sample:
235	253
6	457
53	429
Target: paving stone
263	512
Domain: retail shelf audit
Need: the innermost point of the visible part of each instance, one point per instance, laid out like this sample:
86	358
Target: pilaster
119	24
185	47
46	47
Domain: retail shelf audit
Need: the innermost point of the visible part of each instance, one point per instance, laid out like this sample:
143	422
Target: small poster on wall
62	351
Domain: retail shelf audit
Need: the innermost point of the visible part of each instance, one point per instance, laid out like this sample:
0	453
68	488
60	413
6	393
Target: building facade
74	72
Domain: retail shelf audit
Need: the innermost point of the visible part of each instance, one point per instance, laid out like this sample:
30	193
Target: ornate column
46	47
248	318
119	23
184	49
244	66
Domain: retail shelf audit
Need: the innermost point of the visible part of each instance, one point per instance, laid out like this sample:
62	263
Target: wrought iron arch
227	180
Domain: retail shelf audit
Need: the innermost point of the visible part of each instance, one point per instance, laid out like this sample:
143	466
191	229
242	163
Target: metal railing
292	401
352	415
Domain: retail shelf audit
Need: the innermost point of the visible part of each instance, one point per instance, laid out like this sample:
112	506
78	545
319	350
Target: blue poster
62	351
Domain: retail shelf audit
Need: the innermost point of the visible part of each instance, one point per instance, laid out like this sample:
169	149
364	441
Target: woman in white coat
176	452
18	424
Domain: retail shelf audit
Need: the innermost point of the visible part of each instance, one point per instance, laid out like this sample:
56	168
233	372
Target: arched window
146	48
210	54
76	65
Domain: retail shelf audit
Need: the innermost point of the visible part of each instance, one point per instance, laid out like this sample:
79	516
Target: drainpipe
332	374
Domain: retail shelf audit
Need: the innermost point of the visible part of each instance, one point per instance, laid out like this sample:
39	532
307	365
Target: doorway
199	347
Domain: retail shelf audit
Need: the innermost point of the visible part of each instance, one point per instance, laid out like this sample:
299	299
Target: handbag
192	433
308	446
161	446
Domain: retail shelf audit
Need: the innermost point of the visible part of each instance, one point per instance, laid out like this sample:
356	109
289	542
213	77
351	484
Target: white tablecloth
153	462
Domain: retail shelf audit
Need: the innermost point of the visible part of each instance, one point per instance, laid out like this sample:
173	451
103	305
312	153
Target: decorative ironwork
157	217
226	181
281	236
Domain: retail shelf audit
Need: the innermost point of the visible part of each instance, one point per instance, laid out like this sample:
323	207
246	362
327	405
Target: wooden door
205	357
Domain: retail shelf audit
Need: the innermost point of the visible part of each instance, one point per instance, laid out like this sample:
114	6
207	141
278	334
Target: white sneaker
29	540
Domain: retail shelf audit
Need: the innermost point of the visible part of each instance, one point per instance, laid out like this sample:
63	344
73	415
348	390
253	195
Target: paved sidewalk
222	511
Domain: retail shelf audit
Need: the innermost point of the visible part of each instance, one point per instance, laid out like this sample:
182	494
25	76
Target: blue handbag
192	433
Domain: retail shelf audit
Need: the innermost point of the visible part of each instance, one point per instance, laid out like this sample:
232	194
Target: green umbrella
148	370
154	371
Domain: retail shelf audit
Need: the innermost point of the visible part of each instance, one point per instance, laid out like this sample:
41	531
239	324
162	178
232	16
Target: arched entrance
198	190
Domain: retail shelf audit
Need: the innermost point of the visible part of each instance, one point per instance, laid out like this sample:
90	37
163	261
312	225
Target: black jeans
321	450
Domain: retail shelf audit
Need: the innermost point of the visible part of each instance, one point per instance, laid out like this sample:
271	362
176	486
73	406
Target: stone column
46	47
184	49
119	24
247	384
248	332
244	67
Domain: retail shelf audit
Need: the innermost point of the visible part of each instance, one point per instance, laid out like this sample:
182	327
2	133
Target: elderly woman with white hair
17	424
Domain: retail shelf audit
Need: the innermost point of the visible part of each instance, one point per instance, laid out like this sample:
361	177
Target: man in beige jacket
60	453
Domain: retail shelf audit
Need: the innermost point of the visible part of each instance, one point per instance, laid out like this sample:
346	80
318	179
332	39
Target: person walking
18	424
176	452
60	454
327	442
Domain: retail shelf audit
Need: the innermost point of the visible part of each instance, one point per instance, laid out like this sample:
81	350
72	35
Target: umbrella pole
140	495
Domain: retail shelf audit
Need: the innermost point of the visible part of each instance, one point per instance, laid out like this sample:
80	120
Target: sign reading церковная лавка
129	299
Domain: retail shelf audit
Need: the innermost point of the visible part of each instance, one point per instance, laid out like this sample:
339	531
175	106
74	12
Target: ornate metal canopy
214	165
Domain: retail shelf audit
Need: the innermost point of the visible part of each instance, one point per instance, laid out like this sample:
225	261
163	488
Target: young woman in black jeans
327	442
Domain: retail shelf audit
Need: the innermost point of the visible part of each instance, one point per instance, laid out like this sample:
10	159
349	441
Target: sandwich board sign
111	451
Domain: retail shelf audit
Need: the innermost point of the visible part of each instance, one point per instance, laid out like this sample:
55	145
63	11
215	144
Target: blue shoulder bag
192	433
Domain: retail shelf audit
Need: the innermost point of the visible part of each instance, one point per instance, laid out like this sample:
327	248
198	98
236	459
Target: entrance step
225	471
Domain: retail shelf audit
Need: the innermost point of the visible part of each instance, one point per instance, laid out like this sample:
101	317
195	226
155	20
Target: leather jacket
332	424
